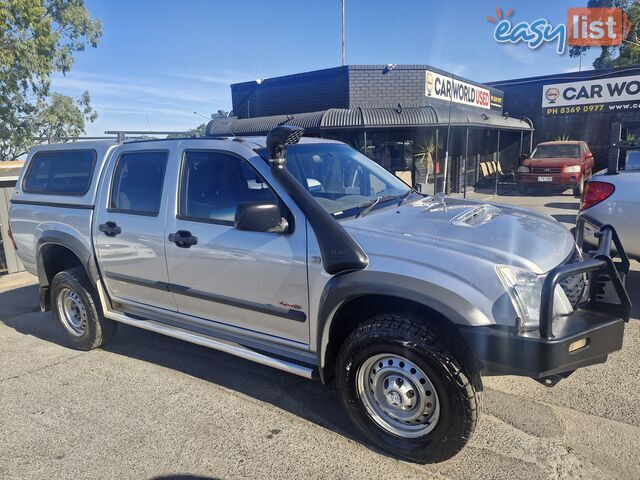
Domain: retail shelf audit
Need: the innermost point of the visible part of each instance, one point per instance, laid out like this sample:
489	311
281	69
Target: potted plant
424	161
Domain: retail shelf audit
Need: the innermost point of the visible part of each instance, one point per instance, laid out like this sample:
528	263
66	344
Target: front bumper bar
561	345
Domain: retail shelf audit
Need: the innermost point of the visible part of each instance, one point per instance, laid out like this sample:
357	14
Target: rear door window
137	183
60	173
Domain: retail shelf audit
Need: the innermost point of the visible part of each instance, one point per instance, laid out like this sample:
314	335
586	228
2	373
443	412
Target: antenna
343	49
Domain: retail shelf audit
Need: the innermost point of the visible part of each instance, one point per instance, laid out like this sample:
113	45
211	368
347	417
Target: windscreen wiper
404	196
368	206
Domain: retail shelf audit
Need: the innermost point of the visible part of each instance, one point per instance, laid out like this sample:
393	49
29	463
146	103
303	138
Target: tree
628	53
37	39
199	131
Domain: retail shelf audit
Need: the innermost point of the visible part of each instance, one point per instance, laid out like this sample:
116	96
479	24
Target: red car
566	164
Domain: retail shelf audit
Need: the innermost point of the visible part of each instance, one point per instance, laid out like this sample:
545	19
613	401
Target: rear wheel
75	308
404	390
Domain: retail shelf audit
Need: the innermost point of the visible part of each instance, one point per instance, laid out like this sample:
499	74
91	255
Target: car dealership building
405	117
578	105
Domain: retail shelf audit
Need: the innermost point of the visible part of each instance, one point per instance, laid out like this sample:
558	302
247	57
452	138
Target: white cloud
128	87
129	103
455	68
225	77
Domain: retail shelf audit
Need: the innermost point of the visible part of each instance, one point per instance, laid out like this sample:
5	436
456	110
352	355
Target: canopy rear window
60	172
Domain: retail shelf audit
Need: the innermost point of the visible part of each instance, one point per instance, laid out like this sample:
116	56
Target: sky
160	61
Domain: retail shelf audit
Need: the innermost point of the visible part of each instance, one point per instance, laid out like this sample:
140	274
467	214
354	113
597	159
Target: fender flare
54	237
341	289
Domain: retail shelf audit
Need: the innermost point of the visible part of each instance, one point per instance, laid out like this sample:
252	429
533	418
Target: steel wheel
72	311
398	395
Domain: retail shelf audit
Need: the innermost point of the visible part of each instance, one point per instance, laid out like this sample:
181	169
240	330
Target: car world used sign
450	89
601	95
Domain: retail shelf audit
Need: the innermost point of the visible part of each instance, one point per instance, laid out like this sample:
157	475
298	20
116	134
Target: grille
546	170
575	285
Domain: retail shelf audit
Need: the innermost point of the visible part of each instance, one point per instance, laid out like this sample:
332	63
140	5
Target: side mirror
589	155
260	217
524	156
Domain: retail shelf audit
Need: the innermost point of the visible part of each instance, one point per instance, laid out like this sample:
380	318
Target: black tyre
74	305
405	391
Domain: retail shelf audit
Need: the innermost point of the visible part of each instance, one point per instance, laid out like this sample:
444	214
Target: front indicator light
578	345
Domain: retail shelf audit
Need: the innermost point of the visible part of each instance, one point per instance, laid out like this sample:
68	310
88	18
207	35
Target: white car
614	199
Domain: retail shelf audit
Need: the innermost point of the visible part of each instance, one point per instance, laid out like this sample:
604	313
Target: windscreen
341	179
556	151
633	160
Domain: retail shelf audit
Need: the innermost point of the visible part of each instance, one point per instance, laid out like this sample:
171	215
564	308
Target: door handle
110	229
183	239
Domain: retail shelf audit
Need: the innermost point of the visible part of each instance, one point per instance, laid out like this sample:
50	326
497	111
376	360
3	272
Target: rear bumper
557	179
504	352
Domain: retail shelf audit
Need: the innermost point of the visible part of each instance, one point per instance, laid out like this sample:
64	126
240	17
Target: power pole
343	51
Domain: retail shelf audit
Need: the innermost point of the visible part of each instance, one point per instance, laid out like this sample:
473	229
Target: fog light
578	344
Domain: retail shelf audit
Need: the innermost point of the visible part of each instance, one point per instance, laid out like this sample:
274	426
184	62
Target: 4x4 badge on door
291	305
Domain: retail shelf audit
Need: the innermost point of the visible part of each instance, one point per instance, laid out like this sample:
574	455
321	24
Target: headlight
572	169
525	290
523	169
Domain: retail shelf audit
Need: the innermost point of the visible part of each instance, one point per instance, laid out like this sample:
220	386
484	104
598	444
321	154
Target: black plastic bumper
562	345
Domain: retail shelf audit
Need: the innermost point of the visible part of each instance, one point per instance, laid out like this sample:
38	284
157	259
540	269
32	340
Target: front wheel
405	391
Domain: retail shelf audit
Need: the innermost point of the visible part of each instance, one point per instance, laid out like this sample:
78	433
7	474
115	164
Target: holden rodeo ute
307	256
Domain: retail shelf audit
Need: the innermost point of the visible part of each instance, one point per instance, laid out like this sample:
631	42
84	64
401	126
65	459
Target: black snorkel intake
339	251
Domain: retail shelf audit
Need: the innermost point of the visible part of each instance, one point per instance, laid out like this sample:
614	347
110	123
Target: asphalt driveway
148	406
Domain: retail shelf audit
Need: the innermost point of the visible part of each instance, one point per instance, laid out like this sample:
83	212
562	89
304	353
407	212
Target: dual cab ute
305	255
566	164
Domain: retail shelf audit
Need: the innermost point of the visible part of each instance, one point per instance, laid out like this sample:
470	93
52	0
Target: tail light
596	192
13	240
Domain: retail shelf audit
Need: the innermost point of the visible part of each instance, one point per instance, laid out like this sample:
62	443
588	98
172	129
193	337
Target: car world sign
449	89
606	94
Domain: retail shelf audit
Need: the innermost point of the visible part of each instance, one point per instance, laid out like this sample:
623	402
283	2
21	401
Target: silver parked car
614	199
307	256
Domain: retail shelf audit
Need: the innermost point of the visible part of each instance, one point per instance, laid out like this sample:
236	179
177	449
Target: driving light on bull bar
578	344
525	290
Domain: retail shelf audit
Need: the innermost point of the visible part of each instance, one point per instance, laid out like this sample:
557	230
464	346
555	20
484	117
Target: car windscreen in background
61	172
556	151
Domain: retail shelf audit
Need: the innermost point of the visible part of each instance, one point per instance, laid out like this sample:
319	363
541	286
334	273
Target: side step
203	340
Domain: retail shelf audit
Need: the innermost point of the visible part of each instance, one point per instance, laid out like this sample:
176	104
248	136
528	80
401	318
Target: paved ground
149	406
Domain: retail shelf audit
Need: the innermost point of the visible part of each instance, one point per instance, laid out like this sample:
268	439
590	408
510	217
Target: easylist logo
584	27
606	90
597	26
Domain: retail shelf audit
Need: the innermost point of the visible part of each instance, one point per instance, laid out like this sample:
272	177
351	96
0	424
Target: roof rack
121	135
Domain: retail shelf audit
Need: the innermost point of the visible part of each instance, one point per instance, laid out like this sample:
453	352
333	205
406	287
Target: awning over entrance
353	118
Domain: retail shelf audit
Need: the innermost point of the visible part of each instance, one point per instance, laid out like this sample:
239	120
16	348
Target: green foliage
37	39
426	149
626	54
199	131
562	138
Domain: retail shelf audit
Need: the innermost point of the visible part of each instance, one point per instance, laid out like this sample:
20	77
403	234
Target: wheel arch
352	298
57	251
